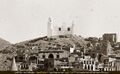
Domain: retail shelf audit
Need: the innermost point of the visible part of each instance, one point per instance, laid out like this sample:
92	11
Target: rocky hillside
58	41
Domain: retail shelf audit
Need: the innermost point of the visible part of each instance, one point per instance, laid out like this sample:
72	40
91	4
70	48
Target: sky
22	20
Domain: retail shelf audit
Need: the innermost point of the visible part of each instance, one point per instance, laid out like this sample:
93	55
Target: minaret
14	66
49	30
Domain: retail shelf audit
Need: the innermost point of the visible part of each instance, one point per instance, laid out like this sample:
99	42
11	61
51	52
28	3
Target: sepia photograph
59	36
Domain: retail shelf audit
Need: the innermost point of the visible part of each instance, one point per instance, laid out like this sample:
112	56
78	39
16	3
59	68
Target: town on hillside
62	50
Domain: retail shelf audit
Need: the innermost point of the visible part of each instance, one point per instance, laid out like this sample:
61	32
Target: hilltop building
59	30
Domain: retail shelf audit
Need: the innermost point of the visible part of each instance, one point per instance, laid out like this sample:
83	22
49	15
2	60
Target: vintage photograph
61	36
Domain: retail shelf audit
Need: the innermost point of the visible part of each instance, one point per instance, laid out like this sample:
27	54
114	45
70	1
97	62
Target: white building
89	63
54	30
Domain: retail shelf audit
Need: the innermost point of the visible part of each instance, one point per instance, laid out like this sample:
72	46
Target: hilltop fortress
55	30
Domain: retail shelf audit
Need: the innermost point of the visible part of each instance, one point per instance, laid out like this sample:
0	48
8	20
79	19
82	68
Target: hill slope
4	43
42	42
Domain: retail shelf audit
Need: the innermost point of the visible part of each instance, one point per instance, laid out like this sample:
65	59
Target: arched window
68	29
59	29
43	56
88	67
91	67
85	67
57	56
84	61
92	62
51	56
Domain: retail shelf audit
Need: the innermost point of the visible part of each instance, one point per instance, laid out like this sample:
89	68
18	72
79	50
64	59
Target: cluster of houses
59	59
63	60
54	60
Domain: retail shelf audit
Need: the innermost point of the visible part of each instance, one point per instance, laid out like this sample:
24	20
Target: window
88	67
58	56
85	67
84	62
91	67
92	62
114	64
68	29
59	29
43	56
83	57
87	62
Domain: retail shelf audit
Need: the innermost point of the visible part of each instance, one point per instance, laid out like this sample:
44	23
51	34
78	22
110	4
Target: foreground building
89	64
43	60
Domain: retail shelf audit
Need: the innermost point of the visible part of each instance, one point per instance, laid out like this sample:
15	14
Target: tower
49	30
55	30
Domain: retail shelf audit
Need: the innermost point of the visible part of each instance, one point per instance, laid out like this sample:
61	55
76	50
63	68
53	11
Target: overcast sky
26	19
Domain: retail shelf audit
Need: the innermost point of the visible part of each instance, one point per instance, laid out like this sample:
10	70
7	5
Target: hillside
4	43
4	63
42	43
65	41
26	47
